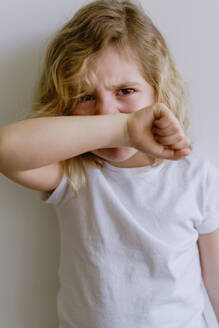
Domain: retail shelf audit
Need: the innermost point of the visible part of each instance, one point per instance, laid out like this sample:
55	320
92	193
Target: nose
106	105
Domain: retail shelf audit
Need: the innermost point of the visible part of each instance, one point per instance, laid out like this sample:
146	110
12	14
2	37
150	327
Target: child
106	145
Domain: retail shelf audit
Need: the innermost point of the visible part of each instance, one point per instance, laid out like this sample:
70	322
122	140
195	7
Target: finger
170	140
161	110
165	131
164	122
185	143
174	154
178	154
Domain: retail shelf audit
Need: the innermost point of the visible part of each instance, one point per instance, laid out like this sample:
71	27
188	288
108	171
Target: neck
137	160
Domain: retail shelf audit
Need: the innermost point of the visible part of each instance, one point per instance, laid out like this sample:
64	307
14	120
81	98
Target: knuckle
167	120
163	106
180	138
175	129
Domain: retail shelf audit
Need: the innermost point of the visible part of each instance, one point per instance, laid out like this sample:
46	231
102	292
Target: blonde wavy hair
119	23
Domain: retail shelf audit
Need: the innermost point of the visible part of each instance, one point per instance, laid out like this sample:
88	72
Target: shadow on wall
20	70
29	232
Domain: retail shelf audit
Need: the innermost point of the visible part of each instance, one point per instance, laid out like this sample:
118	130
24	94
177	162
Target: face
119	87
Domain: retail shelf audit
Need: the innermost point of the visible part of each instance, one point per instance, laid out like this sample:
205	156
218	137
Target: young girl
106	145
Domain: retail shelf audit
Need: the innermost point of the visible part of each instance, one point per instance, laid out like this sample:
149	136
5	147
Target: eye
126	91
86	98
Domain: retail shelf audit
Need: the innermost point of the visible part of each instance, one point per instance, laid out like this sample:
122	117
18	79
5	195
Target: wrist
119	128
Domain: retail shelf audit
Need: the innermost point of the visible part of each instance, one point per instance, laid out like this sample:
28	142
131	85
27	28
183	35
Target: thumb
164	153
172	154
163	114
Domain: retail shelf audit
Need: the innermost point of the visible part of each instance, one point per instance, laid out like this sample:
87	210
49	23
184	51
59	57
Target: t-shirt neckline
133	170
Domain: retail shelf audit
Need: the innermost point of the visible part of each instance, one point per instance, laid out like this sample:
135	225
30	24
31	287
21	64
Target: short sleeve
57	195
210	220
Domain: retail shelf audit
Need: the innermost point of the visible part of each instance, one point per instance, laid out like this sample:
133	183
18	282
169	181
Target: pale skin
141	132
120	88
30	150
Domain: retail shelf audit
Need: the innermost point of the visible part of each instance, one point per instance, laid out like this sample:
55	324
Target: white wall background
29	235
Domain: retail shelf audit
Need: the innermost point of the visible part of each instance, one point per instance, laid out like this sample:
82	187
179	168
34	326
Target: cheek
84	109
135	103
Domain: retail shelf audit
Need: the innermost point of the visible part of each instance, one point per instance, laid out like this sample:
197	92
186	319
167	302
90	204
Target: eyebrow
115	86
127	83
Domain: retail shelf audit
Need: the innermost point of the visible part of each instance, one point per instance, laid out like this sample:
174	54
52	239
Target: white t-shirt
129	255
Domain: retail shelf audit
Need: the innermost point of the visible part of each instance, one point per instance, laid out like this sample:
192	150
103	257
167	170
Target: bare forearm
213	293
37	142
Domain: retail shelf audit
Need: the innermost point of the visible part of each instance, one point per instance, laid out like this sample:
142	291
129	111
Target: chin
115	154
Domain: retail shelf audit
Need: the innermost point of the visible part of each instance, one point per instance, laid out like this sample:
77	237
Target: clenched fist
156	131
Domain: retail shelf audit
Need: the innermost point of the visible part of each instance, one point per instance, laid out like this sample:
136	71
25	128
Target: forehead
111	68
